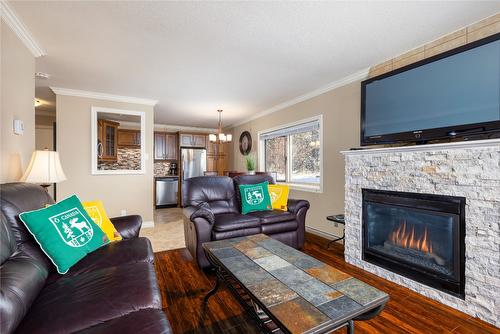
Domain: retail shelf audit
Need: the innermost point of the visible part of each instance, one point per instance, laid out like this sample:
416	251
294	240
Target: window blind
291	130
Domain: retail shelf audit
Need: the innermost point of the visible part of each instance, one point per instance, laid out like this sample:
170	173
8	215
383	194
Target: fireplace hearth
420	236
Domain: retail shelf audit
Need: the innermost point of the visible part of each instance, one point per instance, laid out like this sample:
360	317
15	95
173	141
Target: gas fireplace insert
420	236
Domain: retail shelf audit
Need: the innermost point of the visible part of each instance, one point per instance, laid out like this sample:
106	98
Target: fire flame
405	237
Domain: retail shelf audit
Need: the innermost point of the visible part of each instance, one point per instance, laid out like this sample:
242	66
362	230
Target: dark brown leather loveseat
212	212
112	290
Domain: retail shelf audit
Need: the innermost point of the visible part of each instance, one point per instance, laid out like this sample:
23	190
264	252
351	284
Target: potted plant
250	162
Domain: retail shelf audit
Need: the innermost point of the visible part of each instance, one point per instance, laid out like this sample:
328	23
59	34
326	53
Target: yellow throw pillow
279	196
96	211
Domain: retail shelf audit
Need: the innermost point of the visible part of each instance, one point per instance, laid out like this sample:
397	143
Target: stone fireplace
428	217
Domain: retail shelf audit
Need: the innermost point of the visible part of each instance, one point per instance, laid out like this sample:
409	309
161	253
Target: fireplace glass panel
420	238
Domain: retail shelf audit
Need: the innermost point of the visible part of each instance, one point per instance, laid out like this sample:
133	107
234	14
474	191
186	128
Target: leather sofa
112	290
212	212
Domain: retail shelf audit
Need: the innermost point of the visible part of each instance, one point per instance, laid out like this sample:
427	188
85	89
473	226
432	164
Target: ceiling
243	57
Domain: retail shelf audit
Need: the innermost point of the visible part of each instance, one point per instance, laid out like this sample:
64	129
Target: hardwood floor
183	287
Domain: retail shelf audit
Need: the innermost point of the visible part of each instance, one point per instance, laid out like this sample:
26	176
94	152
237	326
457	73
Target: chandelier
220	137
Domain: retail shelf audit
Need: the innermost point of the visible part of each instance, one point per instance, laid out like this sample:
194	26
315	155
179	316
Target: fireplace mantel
469	169
425	148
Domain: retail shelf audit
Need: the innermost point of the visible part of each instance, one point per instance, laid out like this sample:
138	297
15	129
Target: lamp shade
212	138
44	168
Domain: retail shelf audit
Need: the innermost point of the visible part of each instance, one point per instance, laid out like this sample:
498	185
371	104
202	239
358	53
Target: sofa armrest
294	205
201	212
198	223
128	226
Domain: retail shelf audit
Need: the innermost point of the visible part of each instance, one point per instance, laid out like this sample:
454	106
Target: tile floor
168	232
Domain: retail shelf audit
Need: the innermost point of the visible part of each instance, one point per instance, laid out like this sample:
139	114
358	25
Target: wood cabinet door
129	138
186	139
109	134
171	146
221	164
211	163
211	147
160	146
199	140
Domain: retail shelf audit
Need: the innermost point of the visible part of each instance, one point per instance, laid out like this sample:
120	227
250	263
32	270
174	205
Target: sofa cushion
96	211
234	221
19	197
236	233
65	232
249	179
147	321
255	197
274	216
114	254
74	303
280	227
216	191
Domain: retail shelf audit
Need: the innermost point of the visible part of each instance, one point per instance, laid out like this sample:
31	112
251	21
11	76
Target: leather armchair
212	212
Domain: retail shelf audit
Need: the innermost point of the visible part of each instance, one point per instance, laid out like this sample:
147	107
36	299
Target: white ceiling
243	57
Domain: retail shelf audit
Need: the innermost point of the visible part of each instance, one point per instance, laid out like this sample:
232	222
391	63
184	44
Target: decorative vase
251	172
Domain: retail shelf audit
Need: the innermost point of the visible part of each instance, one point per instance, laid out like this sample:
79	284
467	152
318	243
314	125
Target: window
293	153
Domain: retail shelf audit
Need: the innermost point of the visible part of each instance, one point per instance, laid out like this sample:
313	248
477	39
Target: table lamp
44	169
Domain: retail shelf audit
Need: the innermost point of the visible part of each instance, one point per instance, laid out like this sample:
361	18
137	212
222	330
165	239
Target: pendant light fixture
220	137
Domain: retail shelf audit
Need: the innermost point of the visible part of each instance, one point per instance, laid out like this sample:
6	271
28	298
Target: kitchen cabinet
107	138
192	140
165	146
171	146
217	162
129	138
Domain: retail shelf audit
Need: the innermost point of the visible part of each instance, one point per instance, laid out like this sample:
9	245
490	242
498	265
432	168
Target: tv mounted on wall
451	95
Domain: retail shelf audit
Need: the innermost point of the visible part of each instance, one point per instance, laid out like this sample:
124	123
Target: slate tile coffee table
287	291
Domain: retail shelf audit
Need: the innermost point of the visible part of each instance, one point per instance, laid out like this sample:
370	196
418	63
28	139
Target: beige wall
133	193
340	109
17	96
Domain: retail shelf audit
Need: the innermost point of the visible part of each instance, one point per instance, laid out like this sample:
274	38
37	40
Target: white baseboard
148	224
321	233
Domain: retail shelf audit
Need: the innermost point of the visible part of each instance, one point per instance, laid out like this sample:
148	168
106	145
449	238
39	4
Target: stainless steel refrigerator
194	162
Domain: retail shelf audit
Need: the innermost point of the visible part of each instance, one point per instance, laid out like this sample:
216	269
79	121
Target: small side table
339	219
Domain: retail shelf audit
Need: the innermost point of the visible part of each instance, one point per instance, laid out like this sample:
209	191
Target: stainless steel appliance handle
100	150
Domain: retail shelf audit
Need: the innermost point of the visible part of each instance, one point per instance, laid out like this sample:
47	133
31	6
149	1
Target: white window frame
93	132
295	186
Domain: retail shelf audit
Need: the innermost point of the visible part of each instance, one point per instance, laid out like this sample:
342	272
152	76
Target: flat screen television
452	95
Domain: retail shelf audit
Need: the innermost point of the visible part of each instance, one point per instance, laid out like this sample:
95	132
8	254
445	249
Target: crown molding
103	96
175	128
19	28
361	75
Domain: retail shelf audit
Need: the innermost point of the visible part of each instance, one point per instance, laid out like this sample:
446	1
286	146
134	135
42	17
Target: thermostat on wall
18	127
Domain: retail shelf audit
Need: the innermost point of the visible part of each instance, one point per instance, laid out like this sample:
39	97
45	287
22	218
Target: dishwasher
166	191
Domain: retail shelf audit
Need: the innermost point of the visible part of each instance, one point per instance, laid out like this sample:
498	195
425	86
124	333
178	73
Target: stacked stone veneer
471	170
127	159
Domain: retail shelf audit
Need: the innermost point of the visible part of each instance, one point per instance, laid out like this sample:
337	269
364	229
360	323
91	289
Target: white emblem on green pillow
254	195
73	227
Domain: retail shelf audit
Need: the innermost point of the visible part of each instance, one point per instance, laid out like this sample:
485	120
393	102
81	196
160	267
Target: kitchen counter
166	176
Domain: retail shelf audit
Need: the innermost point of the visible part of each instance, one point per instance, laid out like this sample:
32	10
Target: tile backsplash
127	158
161	168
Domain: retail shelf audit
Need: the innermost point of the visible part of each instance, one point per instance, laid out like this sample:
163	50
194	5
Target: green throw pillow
255	197
65	232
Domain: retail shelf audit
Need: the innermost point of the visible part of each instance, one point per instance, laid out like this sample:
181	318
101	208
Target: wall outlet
123	212
18	127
